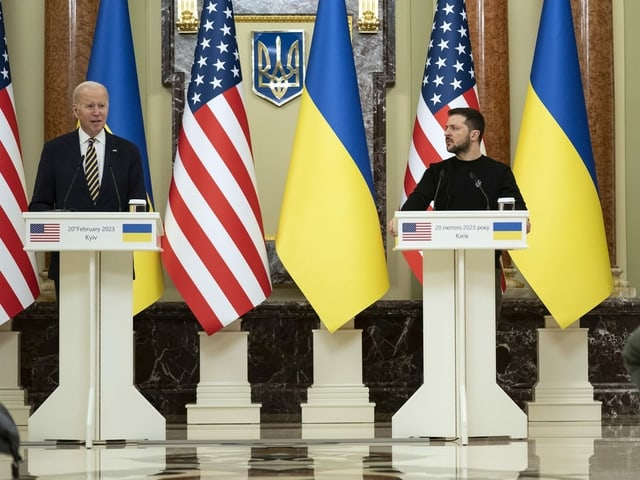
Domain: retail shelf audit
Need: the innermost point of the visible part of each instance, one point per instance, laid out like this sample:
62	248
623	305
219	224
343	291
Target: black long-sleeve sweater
458	188
463	185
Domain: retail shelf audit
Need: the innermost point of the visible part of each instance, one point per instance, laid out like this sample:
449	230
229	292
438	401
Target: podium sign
96	399
484	229
103	231
459	397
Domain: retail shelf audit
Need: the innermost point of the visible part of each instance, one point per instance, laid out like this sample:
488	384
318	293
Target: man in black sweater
467	181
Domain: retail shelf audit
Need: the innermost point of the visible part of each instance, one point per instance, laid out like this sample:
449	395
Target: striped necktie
91	170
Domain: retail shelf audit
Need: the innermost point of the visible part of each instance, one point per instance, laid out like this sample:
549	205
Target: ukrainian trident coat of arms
278	65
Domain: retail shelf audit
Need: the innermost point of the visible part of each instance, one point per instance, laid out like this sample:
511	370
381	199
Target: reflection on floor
281	454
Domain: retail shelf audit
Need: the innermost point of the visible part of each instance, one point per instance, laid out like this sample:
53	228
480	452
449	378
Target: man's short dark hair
473	119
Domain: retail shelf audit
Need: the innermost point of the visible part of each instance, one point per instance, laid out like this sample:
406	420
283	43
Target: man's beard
461	148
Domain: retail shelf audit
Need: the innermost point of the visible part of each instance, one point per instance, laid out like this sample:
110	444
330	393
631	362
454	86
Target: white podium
459	397
96	399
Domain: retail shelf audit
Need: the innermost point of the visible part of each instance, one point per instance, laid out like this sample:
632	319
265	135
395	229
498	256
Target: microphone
478	183
115	184
435	195
73	179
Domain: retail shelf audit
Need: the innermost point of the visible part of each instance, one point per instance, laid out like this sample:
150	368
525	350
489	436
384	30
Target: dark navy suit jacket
61	185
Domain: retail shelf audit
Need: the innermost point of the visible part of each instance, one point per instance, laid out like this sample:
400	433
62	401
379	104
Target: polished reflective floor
280	453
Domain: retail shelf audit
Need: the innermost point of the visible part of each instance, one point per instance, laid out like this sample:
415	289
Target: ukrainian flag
329	236
567	262
137	232
507	230
113	64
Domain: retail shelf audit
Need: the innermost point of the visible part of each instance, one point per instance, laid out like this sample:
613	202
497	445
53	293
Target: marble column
488	22
69	26
488	25
593	22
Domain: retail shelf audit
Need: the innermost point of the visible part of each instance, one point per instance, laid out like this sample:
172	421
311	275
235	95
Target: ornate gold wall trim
275	18
282	19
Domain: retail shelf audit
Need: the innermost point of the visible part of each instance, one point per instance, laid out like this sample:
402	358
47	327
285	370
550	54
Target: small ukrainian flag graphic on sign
507	230
137	232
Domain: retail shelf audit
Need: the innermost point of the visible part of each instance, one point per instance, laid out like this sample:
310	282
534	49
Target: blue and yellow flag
113	64
329	236
567	262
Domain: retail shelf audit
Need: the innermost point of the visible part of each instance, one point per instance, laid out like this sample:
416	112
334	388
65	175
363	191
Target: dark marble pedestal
281	357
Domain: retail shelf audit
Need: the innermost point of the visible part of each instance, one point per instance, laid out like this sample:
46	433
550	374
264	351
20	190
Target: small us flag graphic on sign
44	232
416	231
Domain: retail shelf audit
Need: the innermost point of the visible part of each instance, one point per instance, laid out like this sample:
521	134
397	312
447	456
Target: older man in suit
62	183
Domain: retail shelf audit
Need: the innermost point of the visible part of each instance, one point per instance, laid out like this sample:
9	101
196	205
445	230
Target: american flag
213	248
18	280
416	231
449	81
44	232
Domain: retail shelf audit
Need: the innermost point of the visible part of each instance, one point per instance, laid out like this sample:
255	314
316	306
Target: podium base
430	414
125	416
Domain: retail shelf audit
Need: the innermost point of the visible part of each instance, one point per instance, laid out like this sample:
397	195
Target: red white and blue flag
18	280
214	248
416	231
44	232
449	81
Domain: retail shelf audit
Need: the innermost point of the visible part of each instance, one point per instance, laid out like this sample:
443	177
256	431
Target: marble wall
280	354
